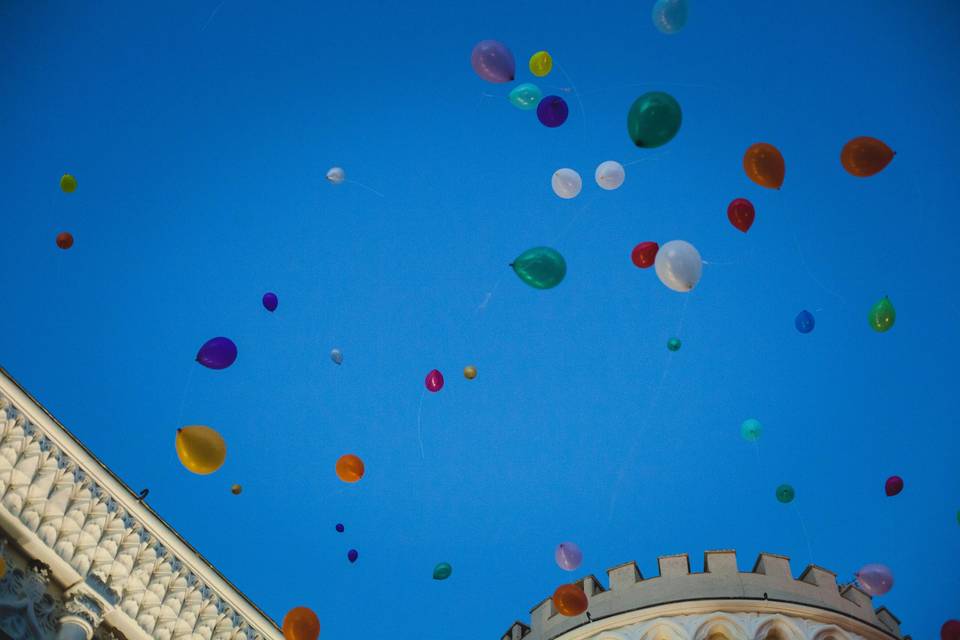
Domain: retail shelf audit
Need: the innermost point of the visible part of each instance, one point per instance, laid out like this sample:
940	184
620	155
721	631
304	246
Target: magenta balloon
875	579
568	556
552	111
493	61
434	381
217	353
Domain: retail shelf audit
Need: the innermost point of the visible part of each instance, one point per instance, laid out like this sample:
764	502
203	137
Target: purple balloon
339	528
217	353
352	555
875	579
568	556
493	61
270	301
552	111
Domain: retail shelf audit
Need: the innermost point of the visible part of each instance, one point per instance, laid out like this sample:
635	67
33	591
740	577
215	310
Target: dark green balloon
674	344
882	315
540	267
442	571
654	119
785	493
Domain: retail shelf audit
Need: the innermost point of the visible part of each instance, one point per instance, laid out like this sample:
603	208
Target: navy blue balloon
352	555
804	321
270	301
339	528
552	111
217	353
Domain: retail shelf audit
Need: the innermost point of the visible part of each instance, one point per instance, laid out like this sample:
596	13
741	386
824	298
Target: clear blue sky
200	133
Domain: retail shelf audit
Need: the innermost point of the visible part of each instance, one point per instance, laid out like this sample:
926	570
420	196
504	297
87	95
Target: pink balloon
875	579
434	381
493	61
568	556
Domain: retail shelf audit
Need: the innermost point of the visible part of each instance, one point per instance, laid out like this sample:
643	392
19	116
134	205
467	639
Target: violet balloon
552	111
270	301
493	61
217	353
875	579
568	556
339	527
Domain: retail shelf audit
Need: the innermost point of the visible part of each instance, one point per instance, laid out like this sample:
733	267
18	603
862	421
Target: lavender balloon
493	61
568	556
552	111
217	353
270	301
875	579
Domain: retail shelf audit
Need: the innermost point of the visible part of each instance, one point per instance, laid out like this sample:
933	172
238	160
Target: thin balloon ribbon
487	298
583	112
588	202
370	189
647	158
806	267
806	536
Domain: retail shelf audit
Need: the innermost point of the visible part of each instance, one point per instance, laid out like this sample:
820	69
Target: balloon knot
179	430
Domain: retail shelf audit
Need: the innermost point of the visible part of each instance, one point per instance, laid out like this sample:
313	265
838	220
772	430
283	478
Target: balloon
349	468
669	16
568	556
566	183
552	111
949	631
875	579
442	571
236	489
469	372
200	449
882	315
64	240
654	119
570	600
352	555
270	301
492	61
678	265
339	528
673	344
336	175
764	165
217	353
337	356
541	63
609	175
644	254
741	213
434	381
894	485
785	493
525	96
68	184
804	322
540	267
865	156
301	623
751	430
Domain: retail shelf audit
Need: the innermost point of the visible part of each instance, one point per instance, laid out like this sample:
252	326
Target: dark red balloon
644	254
64	240
894	485
950	630
741	214
434	381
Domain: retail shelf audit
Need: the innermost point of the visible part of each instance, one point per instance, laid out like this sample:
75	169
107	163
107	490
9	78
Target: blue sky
200	133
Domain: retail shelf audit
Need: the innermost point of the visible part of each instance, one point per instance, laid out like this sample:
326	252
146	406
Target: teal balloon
540	267
525	96
751	430
673	344
654	119
785	493
442	571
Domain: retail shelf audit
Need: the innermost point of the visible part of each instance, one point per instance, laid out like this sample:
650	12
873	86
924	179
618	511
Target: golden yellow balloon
541	63
469	372
236	489
200	449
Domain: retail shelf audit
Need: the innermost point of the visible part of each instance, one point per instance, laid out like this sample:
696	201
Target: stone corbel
86	604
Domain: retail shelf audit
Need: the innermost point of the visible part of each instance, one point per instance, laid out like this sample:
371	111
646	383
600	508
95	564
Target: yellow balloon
541	63
469	372
200	449
68	184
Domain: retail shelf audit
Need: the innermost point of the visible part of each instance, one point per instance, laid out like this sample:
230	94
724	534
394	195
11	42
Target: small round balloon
678	265
442	571
336	356
566	183
352	555
336	175
270	301
217	353
349	468
570	600
200	449
893	486
674	344
525	96
804	322
339	528
610	175
751	430
493	61
68	184
785	493
301	623
469	372
741	213
949	631
764	165
552	111
540	267
882	315
864	156
64	240
541	64
434	381
236	489
654	119
669	16
568	556
875	579
644	254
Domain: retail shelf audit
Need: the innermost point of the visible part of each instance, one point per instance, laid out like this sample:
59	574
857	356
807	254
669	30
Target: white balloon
610	175
566	183
678	265
337	356
336	175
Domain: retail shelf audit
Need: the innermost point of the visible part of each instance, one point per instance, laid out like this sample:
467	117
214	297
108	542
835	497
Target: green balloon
525	96
654	119
882	315
442	571
751	430
540	267
674	344
785	493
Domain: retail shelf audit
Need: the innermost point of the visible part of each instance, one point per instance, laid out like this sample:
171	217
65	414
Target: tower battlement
770	582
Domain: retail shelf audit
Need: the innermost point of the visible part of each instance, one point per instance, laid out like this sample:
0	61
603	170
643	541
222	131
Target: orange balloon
301	623
764	165
865	156
349	468
570	600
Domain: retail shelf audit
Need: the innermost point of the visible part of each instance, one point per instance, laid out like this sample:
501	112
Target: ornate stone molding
27	609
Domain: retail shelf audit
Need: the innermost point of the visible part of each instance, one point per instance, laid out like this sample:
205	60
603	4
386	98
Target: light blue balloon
669	16
751	429
525	96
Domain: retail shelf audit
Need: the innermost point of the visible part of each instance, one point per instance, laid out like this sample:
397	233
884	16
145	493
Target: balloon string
370	189
212	16
654	156
420	424
183	396
642	84
583	209
583	112
486	299
806	536
806	267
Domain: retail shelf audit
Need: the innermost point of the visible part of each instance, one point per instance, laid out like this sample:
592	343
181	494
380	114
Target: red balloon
894	485
434	381
950	630
64	240
644	254
741	214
